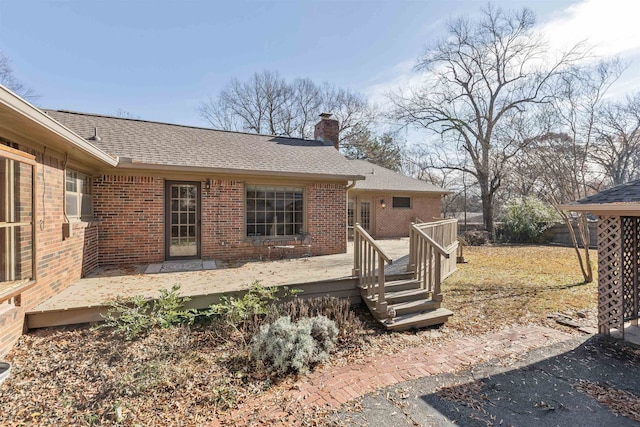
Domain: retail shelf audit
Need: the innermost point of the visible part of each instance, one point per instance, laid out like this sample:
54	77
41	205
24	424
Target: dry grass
178	377
503	285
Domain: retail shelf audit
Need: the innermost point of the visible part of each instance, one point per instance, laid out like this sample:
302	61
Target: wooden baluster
356	254
437	294
381	306
430	260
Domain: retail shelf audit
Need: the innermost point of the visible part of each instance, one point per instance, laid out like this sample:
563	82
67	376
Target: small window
402	202
78	200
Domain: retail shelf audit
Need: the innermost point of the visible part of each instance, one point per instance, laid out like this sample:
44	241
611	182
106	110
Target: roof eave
23	108
387	190
602	208
238	172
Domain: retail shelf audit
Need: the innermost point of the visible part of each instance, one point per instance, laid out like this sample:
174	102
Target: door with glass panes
182	220
359	211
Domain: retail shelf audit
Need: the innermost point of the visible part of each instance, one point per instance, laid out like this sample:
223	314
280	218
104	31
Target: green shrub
135	317
286	346
255	301
525	220
244	315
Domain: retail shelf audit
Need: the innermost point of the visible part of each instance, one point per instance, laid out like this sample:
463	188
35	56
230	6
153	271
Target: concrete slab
209	265
631	333
153	269
540	388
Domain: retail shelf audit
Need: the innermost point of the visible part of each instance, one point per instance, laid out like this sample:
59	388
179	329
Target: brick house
386	202
83	190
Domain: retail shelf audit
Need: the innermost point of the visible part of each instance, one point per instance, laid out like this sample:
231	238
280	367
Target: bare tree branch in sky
9	80
481	80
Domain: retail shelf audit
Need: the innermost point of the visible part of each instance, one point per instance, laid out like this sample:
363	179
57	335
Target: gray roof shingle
378	178
153	143
628	192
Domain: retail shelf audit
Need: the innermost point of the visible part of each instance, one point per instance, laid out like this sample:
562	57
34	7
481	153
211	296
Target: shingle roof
163	144
378	178
628	192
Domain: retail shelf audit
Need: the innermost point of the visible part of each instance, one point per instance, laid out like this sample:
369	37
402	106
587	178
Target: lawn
190	376
501	285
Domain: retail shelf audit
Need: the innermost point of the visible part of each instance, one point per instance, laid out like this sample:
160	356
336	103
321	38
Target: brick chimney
327	130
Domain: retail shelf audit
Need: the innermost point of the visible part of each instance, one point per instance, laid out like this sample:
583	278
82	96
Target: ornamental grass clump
285	346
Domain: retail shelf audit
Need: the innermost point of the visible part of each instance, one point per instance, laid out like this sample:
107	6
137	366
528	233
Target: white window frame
78	188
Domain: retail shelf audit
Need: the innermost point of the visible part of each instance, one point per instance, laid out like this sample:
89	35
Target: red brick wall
327	218
130	212
59	262
394	222
223	219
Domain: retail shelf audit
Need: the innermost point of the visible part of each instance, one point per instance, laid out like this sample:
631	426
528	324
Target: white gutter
36	115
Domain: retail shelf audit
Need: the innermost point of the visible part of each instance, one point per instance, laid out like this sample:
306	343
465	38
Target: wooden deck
85	300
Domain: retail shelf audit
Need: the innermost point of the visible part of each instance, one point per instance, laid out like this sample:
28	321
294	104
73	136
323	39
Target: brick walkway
329	389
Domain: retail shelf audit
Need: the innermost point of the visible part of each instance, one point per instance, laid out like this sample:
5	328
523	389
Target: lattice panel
630	252
610	301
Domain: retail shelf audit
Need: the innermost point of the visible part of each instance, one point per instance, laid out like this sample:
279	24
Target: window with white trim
274	211
16	218
78	200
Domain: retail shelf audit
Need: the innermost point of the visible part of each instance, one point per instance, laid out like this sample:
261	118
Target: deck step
415	306
402	285
396	297
419	320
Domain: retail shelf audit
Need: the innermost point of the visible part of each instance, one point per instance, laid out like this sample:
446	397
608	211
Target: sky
159	60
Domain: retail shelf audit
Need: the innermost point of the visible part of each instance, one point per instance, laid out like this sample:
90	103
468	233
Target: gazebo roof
621	198
628	192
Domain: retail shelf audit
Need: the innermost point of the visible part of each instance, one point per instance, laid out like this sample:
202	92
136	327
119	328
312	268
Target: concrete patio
84	300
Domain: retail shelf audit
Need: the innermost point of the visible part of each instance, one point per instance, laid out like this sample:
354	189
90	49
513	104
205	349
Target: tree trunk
487	205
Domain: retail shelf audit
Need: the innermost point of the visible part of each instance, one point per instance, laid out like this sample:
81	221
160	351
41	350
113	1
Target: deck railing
431	246
368	265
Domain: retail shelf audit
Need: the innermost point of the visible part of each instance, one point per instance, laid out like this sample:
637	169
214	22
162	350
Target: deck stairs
411	306
413	299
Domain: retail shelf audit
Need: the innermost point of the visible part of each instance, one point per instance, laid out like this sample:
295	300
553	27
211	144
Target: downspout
67	230
349	187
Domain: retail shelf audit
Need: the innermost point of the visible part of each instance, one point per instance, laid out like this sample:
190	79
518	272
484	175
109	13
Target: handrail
442	251
372	241
430	248
368	266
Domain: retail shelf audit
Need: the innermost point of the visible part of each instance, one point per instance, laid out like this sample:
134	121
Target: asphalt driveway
550	386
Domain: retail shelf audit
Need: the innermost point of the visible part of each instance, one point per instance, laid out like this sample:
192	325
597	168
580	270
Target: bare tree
479	82
562	159
251	106
8	80
266	103
617	147
122	113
